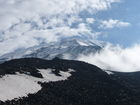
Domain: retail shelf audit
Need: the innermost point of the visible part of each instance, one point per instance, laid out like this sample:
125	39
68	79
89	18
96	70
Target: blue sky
28	23
127	10
127	57
24	21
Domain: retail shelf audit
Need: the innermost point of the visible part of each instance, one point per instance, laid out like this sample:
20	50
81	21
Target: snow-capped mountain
65	48
65	82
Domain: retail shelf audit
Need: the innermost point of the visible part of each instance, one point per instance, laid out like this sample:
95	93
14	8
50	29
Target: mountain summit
65	48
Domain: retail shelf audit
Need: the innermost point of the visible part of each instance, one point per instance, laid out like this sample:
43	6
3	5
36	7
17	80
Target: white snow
64	46
14	86
20	85
82	43
49	76
28	52
109	72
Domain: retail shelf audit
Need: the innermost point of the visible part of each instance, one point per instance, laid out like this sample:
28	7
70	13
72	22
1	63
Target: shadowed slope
88	85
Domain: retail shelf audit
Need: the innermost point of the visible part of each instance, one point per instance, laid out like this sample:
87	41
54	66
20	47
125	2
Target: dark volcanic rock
88	85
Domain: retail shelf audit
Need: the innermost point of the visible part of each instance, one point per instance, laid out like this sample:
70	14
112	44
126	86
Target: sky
127	10
27	23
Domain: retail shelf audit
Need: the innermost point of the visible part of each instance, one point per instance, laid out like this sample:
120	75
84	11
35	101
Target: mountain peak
67	46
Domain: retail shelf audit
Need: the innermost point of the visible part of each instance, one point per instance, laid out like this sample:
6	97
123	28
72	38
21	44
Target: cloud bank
116	58
108	24
26	23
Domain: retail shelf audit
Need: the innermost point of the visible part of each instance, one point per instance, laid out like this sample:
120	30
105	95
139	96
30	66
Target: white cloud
24	21
14	10
108	24
90	20
116	58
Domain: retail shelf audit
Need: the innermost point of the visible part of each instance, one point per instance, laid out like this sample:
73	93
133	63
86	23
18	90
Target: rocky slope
86	84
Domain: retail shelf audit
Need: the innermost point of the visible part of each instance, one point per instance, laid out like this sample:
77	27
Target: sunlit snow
109	72
20	85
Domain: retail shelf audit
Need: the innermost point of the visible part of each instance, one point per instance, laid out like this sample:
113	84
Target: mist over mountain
115	58
68	48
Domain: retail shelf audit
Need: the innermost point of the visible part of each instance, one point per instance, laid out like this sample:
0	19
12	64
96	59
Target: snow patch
20	85
64	47
49	76
109	72
82	43
15	86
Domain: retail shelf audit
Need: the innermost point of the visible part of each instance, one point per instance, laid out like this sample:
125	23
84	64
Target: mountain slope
65	48
87	85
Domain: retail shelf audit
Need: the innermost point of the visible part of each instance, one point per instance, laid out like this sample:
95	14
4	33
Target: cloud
90	20
23	22
26	23
32	9
108	24
116	58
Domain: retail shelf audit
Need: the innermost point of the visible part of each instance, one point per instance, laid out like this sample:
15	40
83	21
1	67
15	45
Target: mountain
65	48
34	81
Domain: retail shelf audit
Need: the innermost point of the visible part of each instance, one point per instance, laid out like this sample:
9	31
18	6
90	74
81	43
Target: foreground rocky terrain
86	84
